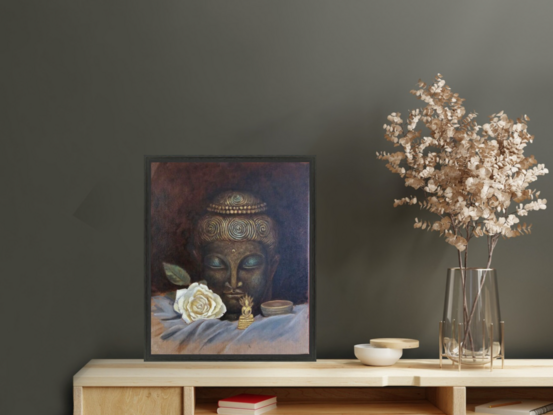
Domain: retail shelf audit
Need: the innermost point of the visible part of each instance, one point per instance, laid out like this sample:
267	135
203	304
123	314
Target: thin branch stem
491	246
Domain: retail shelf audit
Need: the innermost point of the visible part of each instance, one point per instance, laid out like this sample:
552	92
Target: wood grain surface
133	401
188	400
450	400
77	400
329	373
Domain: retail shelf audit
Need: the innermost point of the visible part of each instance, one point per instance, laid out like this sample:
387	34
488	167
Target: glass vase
471	332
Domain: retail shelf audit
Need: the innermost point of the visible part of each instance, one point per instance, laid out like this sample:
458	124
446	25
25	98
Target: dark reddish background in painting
180	192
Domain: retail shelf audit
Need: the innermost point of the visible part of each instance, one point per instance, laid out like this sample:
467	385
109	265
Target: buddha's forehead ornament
237	216
236	203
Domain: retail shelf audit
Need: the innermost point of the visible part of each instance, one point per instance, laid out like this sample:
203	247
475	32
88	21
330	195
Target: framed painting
230	259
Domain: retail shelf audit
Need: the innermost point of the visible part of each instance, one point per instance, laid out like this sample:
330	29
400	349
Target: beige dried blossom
475	178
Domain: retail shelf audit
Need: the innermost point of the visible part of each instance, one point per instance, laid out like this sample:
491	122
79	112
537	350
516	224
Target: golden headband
237	203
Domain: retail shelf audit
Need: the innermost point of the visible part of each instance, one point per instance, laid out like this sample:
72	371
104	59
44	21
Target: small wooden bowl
395	343
276	307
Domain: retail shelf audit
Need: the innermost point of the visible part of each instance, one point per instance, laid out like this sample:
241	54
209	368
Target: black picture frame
148	356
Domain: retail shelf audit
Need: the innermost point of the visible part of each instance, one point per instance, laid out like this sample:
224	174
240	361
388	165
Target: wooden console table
125	387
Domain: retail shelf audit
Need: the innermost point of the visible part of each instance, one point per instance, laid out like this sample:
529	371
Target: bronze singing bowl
276	307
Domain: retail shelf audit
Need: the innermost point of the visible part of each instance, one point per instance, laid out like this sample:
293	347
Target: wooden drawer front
132	401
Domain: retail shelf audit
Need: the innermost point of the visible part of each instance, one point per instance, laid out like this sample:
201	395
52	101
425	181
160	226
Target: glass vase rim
470	269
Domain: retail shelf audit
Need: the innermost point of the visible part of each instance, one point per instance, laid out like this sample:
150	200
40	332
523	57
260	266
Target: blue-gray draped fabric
285	334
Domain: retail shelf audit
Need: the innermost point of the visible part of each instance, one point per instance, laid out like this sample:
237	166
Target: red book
247	401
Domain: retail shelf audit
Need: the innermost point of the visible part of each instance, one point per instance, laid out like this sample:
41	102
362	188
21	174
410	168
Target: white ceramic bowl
376	356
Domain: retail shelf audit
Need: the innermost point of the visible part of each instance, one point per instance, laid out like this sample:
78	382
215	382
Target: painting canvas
230	258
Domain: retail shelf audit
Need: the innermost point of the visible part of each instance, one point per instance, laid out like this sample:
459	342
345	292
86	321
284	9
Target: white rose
198	302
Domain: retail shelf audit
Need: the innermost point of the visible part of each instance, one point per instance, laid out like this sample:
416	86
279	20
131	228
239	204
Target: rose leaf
176	274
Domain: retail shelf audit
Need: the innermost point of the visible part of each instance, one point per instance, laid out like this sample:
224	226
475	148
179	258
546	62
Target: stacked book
247	404
516	407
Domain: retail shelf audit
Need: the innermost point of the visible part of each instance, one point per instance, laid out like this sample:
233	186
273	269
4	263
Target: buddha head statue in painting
236	241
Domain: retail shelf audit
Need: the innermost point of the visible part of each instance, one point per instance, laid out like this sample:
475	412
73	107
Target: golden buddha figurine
236	244
247	316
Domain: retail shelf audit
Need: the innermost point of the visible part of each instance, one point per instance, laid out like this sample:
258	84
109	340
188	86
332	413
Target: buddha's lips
234	294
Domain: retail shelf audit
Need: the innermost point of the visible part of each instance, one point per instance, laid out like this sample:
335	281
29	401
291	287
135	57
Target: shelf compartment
333	408
332	401
479	396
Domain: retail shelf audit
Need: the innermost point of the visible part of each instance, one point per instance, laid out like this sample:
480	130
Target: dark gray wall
88	88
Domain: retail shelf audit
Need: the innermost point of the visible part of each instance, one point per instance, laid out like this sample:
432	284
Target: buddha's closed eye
215	262
252	261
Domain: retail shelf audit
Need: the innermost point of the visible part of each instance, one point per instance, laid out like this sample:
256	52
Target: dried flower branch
475	178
